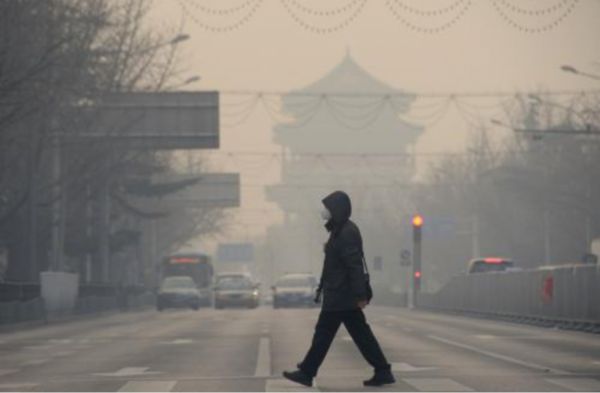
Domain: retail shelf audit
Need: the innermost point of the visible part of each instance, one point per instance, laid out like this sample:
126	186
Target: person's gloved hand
317	298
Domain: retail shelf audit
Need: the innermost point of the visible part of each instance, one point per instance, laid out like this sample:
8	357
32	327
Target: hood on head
338	203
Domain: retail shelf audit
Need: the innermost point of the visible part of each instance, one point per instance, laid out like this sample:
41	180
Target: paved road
246	350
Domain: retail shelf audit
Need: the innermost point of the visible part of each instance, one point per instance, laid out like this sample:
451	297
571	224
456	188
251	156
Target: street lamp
188	81
573	70
180	38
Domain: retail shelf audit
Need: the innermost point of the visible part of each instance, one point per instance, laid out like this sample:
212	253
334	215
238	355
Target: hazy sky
480	52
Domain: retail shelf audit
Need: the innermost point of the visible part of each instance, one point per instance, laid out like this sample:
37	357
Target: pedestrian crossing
325	383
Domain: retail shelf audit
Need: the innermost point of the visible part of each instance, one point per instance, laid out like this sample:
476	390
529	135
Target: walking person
345	295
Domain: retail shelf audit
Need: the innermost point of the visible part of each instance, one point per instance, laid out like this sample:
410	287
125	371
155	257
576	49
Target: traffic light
417	280
417	224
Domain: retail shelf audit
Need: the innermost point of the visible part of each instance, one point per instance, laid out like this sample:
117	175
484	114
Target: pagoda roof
349	77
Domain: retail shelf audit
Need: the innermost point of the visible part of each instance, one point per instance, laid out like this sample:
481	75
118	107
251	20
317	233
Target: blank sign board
235	252
212	190
165	120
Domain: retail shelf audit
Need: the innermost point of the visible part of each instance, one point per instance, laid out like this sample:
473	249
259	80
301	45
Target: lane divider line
263	360
499	356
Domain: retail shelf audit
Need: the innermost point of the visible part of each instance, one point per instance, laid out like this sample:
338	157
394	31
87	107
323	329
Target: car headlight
255	293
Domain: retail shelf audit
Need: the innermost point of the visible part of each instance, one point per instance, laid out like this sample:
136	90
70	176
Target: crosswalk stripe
148	386
436	385
283	385
577	384
7	371
18	386
35	362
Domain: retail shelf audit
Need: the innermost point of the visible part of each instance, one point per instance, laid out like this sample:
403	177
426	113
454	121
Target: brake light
493	260
417	274
184	260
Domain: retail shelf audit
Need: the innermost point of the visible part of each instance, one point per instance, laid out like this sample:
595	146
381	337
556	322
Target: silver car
235	290
178	291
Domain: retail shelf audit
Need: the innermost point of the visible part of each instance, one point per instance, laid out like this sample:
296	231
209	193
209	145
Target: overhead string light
528	20
444	18
358	111
242	14
312	19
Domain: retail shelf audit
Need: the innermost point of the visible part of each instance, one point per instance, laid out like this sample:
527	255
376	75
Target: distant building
350	139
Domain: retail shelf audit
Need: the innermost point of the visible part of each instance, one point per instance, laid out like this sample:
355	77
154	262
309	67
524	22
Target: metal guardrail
19	291
559	294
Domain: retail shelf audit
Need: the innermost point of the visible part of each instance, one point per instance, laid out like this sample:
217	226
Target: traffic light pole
416	261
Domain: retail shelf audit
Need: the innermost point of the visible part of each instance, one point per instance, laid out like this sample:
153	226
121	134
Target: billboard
235	252
153	120
207	190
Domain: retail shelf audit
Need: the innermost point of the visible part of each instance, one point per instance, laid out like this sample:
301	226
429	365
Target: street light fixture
188	81
573	70
180	38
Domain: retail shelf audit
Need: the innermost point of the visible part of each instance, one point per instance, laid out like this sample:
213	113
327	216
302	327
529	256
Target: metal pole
56	259
32	208
547	249
104	232
476	250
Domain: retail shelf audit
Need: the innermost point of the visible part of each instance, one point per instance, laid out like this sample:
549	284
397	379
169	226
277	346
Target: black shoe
299	376
380	378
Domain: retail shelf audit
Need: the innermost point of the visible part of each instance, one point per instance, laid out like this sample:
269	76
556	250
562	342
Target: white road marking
499	356
346	338
18	386
405	367
129	372
39	347
35	362
577	384
436	385
484	336
60	341
64	353
148	386
596	362
179	341
7	371
284	385
263	360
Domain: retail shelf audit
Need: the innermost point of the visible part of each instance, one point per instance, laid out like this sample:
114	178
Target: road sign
154	120
235	252
405	257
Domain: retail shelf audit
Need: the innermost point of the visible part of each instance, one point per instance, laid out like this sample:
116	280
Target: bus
198	266
486	265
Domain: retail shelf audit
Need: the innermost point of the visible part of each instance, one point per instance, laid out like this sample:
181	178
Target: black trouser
356	324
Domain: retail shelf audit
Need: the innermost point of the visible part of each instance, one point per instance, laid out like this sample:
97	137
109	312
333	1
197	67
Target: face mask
325	214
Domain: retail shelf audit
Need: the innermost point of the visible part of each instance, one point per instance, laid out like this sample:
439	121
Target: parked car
235	289
178	291
294	290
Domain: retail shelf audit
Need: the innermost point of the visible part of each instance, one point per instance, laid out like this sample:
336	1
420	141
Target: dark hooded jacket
343	278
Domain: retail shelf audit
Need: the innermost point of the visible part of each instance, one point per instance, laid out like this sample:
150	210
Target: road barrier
563	294
22	302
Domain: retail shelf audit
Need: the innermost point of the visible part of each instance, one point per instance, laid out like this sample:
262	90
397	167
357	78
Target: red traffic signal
417	274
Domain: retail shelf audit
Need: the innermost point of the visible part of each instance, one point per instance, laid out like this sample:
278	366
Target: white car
295	290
